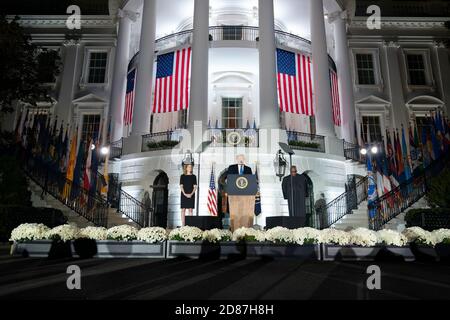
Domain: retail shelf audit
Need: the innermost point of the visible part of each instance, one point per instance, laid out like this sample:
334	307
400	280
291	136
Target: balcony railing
160	141
236	33
115	150
306	141
352	152
223	137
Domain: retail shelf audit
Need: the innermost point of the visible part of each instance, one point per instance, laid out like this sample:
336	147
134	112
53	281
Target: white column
443	61
63	109
345	83
268	102
144	79
322	88
119	81
198	104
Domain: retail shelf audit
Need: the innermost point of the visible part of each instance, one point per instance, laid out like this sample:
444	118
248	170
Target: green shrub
13	183
13	216
438	193
303	144
162	144
428	219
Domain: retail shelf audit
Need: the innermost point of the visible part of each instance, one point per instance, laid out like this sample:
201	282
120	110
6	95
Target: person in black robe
296	202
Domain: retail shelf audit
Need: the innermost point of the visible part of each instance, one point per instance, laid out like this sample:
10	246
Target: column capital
391	44
439	44
131	15
337	16
71	42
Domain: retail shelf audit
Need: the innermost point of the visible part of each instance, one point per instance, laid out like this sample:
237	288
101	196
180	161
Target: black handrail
306	141
84	202
343	204
391	204
352	151
115	150
160	141
234	137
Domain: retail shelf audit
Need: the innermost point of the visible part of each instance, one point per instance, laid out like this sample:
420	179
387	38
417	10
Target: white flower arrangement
392	238
249	235
186	233
64	233
29	232
122	233
363	237
334	236
279	235
217	235
442	236
305	235
93	233
420	236
152	235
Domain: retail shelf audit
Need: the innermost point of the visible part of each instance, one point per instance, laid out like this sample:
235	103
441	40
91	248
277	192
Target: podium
241	190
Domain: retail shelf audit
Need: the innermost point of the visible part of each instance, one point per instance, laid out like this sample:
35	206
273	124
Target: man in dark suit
240	167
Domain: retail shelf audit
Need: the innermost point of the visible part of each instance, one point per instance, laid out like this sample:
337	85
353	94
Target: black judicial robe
298	207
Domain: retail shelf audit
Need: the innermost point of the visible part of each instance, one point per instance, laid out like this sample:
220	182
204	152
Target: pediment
373	101
425	101
89	99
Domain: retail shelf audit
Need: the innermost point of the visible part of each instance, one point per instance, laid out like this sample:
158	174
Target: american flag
295	93
172	81
212	195
129	98
335	98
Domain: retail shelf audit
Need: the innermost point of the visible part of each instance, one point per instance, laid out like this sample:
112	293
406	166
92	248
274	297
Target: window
422	123
232	113
91	127
365	69
97	67
182	119
232	32
371	125
416	69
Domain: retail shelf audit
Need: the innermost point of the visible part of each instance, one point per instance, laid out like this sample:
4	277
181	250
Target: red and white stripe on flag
212	195
294	82
129	98
335	98
173	72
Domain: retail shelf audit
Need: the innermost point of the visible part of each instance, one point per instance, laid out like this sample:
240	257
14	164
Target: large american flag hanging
129	98
172	81
295	92
212	195
335	98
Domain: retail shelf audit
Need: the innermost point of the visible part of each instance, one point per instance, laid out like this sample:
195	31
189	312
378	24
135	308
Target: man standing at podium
242	208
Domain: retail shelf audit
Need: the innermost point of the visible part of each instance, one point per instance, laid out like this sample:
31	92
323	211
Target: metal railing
402	197
86	203
236	33
239	137
306	141
343	204
352	151
160	140
124	203
115	150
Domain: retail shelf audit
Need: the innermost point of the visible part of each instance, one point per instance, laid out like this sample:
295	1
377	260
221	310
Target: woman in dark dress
188	185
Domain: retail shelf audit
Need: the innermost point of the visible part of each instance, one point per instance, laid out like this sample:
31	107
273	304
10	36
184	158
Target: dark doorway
309	203
160	199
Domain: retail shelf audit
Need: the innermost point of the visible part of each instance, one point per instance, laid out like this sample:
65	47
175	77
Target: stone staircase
358	218
48	201
398	223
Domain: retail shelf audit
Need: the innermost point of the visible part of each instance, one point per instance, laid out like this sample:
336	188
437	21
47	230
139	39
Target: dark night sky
52	7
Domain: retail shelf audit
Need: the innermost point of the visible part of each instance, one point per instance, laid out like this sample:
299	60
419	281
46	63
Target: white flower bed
334	236
152	235
249	235
420	236
186	233
279	235
363	237
392	238
64	232
217	235
29	232
442	236
306	236
93	233
122	233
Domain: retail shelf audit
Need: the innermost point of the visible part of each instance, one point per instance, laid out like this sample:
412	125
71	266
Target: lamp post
280	164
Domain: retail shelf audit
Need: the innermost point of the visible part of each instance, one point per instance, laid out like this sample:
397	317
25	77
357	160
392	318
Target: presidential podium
241	190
